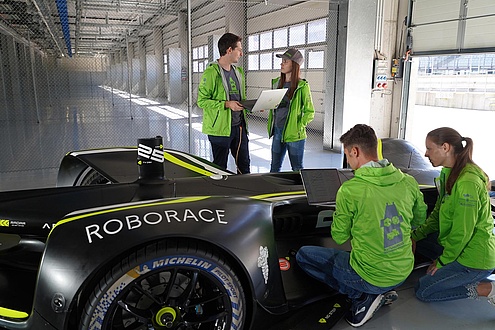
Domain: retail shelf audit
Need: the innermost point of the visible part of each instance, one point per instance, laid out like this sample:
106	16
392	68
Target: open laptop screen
268	99
321	185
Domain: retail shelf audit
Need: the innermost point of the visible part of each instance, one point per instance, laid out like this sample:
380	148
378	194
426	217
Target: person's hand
234	105
413	245
432	269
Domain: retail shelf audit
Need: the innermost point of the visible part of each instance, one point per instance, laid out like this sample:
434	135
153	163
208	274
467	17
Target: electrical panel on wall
380	75
397	67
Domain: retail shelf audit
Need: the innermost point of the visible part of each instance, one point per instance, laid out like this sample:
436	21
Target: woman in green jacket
462	218
287	124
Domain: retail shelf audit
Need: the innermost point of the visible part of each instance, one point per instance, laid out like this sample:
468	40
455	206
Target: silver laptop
268	99
321	185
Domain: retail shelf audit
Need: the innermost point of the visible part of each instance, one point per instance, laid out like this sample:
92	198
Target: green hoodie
301	113
375	210
463	220
212	94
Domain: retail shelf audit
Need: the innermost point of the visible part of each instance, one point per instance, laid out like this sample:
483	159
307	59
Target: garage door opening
457	91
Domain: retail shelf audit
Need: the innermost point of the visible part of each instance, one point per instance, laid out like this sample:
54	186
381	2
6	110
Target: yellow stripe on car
10	313
280	194
379	149
181	163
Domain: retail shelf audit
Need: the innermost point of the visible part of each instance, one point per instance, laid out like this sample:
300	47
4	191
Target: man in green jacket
220	91
375	210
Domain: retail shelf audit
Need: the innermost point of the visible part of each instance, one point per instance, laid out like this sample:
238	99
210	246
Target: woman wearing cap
287	123
462	218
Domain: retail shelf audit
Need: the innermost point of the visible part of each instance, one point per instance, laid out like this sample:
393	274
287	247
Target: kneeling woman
463	221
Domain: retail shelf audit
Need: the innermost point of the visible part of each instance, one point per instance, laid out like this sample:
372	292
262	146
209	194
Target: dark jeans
332	267
237	144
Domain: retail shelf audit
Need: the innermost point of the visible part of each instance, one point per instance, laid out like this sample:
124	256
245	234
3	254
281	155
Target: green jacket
301	113
375	210
212	94
463	220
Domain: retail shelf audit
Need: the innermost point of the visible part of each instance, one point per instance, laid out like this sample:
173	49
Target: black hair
226	41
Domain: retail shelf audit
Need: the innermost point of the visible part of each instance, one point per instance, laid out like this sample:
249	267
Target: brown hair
226	41
463	154
363	136
295	76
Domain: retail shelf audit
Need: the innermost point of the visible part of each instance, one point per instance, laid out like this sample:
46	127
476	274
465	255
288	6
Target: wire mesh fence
119	71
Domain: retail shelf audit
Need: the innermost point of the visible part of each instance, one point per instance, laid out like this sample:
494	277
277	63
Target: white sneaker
390	297
491	296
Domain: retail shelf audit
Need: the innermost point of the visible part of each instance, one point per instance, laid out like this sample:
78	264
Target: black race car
127	241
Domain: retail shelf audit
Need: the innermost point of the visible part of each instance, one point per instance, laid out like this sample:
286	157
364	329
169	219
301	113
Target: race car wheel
90	177
168	285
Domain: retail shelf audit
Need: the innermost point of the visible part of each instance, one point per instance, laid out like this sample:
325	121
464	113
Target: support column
159	59
142	66
382	100
122	76
235	17
12	75
334	85
355	66
235	22
183	46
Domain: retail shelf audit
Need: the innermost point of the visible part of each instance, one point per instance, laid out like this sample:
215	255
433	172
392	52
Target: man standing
375	210
220	91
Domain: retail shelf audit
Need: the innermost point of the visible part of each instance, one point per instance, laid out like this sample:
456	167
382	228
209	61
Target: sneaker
364	308
491	295
390	297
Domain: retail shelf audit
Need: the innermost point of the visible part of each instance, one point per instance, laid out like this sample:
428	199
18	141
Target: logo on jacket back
391	226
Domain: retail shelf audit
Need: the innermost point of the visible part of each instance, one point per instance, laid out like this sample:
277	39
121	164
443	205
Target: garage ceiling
92	27
84	27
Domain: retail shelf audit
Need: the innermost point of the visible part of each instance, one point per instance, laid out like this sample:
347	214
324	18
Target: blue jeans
451	282
279	149
332	267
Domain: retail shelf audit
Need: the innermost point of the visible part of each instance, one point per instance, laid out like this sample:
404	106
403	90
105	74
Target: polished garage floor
32	150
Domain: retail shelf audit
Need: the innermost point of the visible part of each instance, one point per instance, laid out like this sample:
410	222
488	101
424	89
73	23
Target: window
263	46
165	63
266	61
200	58
297	35
266	40
316	59
280	38
253	62
254	42
317	31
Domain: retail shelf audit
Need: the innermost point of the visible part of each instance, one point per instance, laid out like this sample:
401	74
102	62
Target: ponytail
463	151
